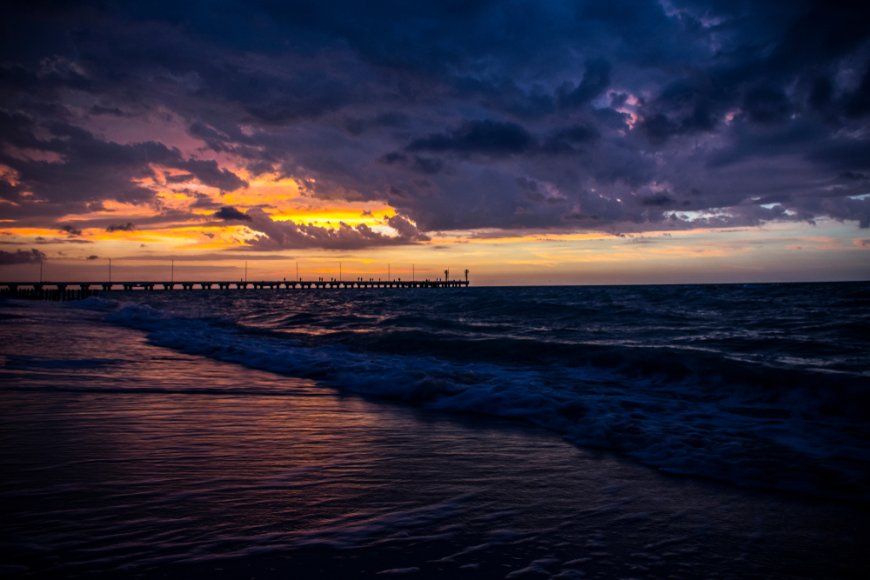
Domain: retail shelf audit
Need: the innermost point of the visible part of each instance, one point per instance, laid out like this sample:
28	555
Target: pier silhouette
65	290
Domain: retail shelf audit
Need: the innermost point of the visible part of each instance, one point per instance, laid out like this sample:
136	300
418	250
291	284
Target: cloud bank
612	116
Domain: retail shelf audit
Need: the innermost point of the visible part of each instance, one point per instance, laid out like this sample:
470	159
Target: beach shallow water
125	458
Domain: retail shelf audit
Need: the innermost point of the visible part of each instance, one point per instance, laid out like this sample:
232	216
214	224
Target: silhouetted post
171	271
466	276
447	275
110	270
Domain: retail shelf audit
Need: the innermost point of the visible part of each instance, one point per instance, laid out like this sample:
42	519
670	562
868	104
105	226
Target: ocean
619	431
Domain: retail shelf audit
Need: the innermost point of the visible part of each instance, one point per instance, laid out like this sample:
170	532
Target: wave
683	411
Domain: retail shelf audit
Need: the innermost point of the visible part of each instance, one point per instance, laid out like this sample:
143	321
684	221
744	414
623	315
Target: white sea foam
678	425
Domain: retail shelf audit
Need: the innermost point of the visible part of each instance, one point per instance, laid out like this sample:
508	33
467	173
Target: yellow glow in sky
181	224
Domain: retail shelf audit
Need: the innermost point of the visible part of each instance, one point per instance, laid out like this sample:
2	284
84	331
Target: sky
528	141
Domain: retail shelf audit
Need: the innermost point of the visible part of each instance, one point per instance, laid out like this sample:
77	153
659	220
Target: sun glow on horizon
211	230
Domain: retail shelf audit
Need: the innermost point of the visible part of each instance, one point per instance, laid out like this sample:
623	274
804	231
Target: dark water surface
503	432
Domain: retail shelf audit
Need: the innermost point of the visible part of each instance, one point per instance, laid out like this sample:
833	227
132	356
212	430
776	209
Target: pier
72	290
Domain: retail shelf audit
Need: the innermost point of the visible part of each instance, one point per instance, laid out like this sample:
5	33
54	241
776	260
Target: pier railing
75	289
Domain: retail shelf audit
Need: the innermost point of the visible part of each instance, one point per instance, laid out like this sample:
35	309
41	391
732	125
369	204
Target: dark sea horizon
489	432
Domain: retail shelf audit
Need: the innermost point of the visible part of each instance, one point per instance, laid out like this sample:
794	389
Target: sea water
480	431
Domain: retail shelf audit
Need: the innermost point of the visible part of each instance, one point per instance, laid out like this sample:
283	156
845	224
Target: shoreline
314	482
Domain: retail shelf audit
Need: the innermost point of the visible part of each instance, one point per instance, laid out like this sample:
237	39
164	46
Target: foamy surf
688	411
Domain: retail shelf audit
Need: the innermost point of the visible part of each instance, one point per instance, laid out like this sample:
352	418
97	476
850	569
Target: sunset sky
531	142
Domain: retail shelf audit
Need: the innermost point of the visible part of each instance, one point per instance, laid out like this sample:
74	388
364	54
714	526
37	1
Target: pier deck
90	288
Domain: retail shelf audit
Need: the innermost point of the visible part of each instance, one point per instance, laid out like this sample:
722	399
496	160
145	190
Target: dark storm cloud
844	155
658	200
70	229
357	126
494	138
596	78
414	162
407	231
571	139
461	114
127	227
486	137
858	101
209	173
766	105
230	213
34	256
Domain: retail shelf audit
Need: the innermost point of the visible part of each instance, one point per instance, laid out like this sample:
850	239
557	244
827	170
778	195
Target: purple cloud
34	256
617	116
287	234
229	213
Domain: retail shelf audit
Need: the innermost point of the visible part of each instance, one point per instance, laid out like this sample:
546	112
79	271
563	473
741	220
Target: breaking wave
711	410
